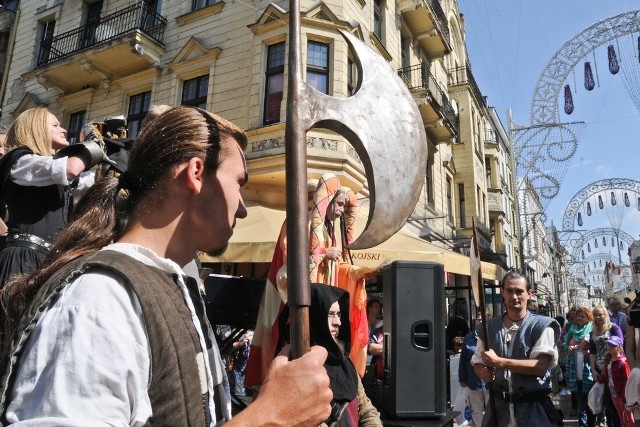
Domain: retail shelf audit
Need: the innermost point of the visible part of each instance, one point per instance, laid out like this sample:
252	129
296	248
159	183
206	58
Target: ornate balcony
7	14
125	42
428	23
464	76
495	202
440	119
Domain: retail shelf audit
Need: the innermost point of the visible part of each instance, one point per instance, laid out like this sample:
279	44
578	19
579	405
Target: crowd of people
101	323
527	350
103	319
594	344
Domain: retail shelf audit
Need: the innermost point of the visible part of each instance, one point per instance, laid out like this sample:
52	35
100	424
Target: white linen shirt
87	362
32	170
545	345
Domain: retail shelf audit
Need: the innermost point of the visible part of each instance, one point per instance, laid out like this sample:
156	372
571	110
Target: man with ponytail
110	331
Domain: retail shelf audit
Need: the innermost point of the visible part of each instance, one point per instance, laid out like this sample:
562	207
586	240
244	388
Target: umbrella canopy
254	240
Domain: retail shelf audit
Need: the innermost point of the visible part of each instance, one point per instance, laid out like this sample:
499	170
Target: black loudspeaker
414	384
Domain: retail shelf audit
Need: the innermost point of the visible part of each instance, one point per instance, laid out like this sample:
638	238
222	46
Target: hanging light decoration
614	66
626	200
589	82
580	219
600	202
568	100
613	199
589	207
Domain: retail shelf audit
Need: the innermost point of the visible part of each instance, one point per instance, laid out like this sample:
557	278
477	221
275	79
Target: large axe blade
383	123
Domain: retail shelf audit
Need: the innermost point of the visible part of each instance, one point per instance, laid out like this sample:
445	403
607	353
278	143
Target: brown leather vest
174	389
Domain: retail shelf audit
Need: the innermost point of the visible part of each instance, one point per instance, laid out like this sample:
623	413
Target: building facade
87	60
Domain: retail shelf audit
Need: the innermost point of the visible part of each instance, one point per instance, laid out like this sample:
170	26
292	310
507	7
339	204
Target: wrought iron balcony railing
419	77
460	75
440	18
135	17
490	136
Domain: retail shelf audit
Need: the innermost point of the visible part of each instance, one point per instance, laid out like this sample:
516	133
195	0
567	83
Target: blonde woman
38	187
603	328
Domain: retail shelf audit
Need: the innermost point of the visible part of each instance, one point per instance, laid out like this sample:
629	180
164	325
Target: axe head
383	124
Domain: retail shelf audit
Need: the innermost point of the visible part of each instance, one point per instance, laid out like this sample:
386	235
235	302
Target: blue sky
510	42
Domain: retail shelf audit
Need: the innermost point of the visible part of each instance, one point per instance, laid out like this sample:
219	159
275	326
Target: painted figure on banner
332	215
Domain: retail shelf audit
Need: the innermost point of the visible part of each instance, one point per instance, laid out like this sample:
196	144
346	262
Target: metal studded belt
28	240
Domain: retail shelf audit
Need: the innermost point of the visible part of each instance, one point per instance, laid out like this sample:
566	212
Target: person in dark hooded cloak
329	327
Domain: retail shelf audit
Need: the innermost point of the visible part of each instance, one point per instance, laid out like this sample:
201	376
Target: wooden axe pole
298	288
478	292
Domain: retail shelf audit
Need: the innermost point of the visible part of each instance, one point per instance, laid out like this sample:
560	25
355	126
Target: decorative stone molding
200	13
352	152
312	142
494	200
47	7
267	144
323	143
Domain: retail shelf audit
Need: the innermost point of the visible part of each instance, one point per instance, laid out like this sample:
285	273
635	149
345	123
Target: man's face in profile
336	207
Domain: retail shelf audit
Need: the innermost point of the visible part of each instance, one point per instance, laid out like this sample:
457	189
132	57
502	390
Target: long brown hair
182	133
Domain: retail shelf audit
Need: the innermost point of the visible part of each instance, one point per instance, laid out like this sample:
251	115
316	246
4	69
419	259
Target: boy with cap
615	377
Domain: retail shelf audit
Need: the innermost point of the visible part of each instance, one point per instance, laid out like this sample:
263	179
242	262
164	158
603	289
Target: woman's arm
32	170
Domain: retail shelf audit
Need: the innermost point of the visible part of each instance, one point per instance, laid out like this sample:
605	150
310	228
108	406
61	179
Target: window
194	92
487	167
405	48
76	120
274	83
199	4
479	203
89	37
378	7
484	204
4	41
449	200
152	5
138	108
150	15
463	215
478	143
46	39
424	75
429	182
318	66
352	75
